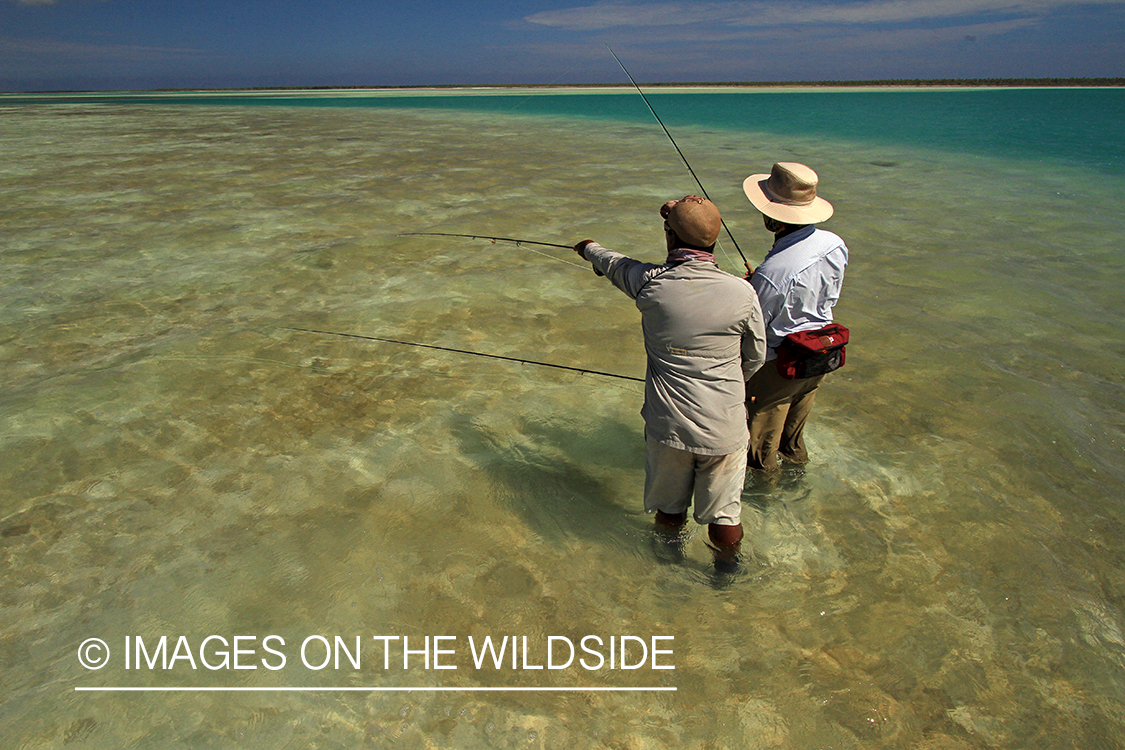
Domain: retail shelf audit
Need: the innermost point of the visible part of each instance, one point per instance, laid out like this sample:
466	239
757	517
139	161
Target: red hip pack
807	354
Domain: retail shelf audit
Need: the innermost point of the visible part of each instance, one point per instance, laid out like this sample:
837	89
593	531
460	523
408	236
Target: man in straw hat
798	284
703	339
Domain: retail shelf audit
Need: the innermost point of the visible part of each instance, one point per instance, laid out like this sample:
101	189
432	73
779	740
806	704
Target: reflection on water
944	574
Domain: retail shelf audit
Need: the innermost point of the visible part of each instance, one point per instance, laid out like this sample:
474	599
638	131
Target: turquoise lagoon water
178	462
1066	125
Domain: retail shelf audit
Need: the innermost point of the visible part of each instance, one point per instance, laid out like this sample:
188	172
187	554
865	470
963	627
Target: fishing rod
518	242
678	151
581	370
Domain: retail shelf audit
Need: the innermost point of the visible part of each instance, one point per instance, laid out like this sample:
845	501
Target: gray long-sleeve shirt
704	338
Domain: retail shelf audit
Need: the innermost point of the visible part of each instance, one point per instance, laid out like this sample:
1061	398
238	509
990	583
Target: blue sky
142	44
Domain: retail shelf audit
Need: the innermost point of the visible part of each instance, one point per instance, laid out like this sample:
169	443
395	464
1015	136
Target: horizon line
1031	81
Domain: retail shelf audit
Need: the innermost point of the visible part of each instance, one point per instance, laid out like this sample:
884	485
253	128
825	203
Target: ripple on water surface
179	462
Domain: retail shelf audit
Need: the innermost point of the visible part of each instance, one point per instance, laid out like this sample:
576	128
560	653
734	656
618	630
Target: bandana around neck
682	254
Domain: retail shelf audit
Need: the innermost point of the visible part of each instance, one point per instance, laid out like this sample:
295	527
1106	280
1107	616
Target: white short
673	476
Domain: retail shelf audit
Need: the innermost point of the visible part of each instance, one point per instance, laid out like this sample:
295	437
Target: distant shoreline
911	83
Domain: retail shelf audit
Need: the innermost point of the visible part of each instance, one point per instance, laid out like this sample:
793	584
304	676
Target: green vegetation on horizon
911	82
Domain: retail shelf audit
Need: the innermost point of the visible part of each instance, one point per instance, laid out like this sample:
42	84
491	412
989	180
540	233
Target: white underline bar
371	689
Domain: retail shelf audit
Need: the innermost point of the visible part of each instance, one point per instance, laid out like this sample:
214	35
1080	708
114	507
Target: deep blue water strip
1080	126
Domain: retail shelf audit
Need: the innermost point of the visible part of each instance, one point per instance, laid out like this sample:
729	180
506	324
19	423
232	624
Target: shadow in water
556	476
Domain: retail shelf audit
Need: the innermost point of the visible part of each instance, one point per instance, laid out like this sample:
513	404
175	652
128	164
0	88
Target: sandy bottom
177	462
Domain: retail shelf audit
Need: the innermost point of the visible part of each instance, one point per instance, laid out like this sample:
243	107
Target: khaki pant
673	477
776	410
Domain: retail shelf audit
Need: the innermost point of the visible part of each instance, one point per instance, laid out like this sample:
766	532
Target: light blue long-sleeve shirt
799	283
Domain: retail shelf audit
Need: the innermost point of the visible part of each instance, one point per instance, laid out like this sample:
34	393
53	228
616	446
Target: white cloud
610	14
604	15
871	41
730	38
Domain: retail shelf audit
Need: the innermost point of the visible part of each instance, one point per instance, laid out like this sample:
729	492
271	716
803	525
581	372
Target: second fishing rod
678	151
520	242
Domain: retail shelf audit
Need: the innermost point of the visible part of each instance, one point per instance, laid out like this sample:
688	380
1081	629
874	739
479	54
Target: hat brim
814	213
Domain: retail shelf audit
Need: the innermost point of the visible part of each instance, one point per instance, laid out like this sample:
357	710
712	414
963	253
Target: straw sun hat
788	194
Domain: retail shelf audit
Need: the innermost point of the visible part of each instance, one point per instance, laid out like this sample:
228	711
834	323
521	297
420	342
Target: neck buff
681	254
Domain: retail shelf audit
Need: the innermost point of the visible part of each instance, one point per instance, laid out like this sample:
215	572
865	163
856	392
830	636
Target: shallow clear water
946	573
